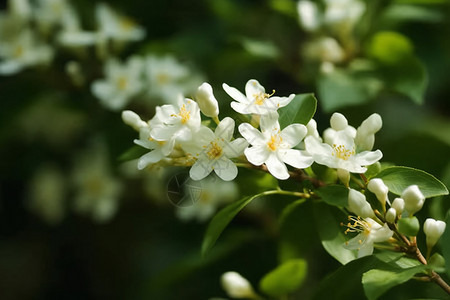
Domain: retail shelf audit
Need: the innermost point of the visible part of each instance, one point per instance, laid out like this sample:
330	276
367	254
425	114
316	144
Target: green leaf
132	153
445	242
289	209
409	226
221	221
285	279
376	282
301	110
397	259
390	47
336	195
398	179
331	233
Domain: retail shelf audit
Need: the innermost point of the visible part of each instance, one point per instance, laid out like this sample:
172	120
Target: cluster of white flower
30	32
333	40
374	227
177	136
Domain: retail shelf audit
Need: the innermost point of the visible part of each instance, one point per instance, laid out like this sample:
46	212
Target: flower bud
357	204
309	15
380	190
414	199
398	205
372	124
132	119
236	286
433	230
338	121
344	176
391	215
312	129
206	100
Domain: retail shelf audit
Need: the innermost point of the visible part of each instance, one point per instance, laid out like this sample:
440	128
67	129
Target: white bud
309	15
132	119
344	176
338	121
391	215
206	100
357	204
399	205
311	128
380	190
372	124
365	134
236	286
414	199
433	230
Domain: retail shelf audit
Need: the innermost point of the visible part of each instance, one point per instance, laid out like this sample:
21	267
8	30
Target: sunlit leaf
301	110
336	195
285	279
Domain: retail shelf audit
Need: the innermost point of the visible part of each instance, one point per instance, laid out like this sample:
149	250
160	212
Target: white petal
150	158
381	235
235	148
225	129
242	108
295	158
225	169
163	133
200	169
276	167
252	88
293	134
282	101
350	165
101	89
316	148
269	122
367	158
251	134
256	155
235	94
365	249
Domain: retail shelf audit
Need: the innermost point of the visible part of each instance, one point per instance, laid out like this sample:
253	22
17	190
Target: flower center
126	24
18	51
184	114
261	97
359	225
342	152
122	83
162	78
214	151
274	142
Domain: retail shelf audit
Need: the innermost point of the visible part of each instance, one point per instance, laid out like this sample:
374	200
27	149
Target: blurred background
79	221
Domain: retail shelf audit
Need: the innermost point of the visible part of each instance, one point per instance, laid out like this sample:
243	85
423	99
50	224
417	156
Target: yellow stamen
162	78
275	141
215	151
184	114
261	97
341	152
126	24
122	83
18	51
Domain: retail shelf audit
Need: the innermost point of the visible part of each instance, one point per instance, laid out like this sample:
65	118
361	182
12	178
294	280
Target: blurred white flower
50	14
47	193
213	151
97	189
71	34
255	100
122	82
369	233
25	50
310	19
237	286
326	50
205	197
115	26
273	146
342	15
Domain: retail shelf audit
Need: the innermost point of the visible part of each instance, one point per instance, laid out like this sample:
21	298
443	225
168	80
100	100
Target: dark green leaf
301	110
399	178
221	221
376	282
133	153
331	232
445	242
288	209
336	195
285	279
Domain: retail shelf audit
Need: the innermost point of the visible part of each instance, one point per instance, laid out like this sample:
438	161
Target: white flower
117	27
177	123
213	151
273	146
342	15
122	82
414	199
357	204
206	100
71	34
22	51
255	100
339	150
433	230
20	8
51	13
324	49
309	15
370	232
202	198
236	286
97	189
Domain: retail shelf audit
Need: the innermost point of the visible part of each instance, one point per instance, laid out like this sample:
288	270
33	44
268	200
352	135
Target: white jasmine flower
71	34
52	13
325	49
23	51
308	12
213	151
206	100
116	26
273	146
339	150
433	229
178	123
255	100
357	204
369	233
202	198
20	9
236	286
97	189
122	82
414	199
